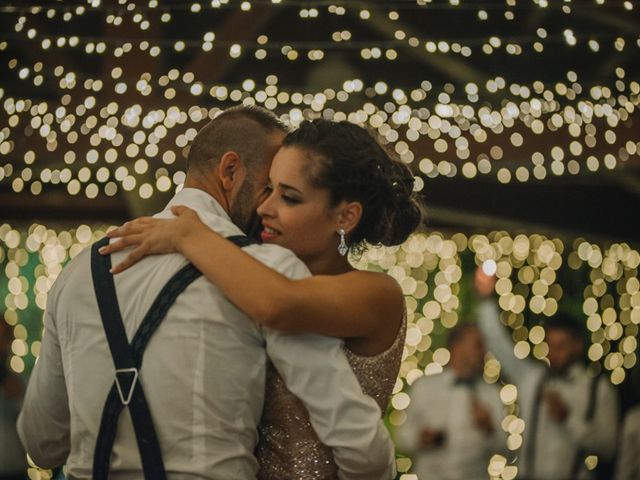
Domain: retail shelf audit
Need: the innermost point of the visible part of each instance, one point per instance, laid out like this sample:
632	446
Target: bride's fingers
120	244
116	232
130	227
134	257
178	210
124	229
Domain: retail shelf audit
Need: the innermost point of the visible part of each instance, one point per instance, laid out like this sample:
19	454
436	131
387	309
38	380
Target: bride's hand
151	236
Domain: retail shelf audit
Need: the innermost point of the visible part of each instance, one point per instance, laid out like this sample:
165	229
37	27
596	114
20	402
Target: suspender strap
588	416
530	446
589	413
126	390
591	407
241	240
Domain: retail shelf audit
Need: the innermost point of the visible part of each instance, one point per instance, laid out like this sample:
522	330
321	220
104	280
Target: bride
331	188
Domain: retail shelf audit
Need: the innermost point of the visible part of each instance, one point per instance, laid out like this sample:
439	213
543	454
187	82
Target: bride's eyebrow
284	186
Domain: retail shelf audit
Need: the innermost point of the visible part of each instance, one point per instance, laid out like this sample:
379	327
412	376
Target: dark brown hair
242	129
348	162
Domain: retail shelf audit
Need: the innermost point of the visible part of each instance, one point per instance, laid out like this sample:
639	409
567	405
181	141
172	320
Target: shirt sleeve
500	344
315	369
43	423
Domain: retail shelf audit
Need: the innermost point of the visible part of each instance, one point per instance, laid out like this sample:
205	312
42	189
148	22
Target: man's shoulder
73	278
279	258
81	261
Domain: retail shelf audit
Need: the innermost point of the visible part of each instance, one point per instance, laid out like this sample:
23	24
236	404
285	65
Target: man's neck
209	187
460	371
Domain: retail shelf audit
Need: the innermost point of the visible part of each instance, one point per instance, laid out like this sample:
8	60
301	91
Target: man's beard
243	212
254	228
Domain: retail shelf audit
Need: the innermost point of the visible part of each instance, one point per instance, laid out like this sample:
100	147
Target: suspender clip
126	377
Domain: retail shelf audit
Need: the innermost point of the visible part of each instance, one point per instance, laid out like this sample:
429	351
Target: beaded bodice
288	446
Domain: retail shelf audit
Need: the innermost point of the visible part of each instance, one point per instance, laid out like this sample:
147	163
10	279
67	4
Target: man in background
568	415
453	421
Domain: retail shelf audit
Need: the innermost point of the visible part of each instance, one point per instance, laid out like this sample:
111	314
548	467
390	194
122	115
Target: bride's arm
355	304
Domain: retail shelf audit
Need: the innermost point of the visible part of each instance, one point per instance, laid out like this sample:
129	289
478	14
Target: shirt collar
569	374
454	380
198	200
208	208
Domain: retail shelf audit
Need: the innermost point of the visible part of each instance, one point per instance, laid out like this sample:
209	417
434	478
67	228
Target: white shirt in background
628	463
437	402
556	444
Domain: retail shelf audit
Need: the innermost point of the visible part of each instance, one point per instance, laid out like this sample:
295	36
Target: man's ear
231	170
349	215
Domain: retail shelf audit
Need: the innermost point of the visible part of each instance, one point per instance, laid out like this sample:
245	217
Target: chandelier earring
342	246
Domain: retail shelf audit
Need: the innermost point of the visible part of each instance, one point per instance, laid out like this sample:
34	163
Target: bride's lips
268	234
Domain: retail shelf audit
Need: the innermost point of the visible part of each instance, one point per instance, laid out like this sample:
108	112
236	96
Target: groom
203	374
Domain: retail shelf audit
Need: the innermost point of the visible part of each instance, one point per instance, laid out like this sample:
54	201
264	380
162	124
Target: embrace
182	347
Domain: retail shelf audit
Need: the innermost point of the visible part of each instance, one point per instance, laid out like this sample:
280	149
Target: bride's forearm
350	305
259	291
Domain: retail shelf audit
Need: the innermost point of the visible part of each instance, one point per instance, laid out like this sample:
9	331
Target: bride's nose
265	209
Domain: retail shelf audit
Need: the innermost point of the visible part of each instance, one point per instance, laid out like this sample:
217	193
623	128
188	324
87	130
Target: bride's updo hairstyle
346	160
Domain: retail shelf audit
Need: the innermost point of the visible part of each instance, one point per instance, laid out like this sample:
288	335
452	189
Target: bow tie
562	375
465	382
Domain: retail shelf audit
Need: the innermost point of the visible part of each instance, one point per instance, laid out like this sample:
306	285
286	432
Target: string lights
101	99
528	268
443	131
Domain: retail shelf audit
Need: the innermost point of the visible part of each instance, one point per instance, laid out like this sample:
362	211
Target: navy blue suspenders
126	390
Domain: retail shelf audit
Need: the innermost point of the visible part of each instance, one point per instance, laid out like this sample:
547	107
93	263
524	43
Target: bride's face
295	214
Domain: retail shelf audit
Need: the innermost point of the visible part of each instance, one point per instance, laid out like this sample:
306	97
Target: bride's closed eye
291	200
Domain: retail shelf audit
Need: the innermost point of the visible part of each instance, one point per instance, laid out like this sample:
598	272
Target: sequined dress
288	446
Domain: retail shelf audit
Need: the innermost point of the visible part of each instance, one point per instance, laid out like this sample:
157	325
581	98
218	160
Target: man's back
202	373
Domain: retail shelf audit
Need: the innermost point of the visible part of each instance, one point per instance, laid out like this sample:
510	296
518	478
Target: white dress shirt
437	402
556	443
628	463
203	374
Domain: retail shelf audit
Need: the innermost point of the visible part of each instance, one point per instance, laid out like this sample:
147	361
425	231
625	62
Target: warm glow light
94	135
